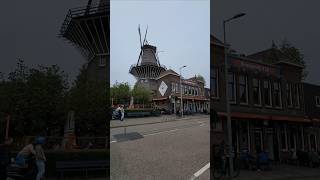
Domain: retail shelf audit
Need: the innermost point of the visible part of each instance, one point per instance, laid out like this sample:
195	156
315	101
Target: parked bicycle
221	167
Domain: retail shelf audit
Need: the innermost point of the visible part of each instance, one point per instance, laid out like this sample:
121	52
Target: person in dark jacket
5	157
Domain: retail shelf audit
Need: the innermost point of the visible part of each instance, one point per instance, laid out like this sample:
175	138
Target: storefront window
277	94
231	87
256	91
283	137
313	142
243	89
267	93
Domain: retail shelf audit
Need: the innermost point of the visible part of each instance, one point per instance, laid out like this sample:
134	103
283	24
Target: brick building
165	84
267	101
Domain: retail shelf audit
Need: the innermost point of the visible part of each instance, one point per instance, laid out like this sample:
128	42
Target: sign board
254	67
163	88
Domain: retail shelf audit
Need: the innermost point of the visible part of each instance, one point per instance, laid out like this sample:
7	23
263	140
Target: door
270	145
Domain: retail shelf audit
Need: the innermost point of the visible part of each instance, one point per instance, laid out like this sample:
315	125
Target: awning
241	115
160	99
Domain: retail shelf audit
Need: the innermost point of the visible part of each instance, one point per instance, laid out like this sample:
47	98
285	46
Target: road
168	150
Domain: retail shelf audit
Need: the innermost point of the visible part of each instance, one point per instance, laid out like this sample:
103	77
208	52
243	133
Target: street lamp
229	128
181	102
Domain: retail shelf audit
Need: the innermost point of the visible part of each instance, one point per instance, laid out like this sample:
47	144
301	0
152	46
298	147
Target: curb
147	123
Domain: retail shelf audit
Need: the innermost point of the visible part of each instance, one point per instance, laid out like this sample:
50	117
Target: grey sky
267	20
29	31
179	28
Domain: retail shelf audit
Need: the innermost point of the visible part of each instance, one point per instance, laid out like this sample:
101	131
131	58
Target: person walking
40	158
122	112
118	112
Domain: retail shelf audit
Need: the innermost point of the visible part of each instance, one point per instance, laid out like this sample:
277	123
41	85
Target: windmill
148	53
148	66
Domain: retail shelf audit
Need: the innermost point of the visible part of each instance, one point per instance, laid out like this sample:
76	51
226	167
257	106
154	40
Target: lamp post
229	127
181	101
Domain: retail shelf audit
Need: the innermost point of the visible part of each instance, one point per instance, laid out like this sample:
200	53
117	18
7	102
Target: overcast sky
267	20
179	28
29	31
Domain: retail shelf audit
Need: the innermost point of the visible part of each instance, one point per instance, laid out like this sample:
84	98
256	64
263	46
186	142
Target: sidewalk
281	172
152	120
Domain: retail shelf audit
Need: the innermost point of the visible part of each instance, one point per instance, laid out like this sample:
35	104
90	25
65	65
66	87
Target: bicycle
221	167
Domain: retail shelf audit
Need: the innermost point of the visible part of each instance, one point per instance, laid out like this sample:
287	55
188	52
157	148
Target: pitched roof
215	40
273	55
168	72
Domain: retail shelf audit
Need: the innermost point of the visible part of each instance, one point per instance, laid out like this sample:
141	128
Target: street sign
163	88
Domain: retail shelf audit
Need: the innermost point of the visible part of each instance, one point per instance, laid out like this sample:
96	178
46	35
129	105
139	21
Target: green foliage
88	98
141	94
293	55
34	98
120	93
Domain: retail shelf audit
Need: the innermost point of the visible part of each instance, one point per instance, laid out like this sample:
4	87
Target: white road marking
201	171
160	132
201	123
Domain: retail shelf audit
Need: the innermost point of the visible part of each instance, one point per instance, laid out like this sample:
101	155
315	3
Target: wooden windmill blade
145	36
140	35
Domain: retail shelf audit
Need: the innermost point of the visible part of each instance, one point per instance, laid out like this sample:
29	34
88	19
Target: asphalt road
168	150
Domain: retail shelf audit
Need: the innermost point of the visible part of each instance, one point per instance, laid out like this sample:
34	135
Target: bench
73	166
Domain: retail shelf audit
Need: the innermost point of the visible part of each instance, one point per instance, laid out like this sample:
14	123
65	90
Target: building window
313	142
102	62
177	88
173	88
256	91
283	137
292	139
289	95
243	89
231	87
267	93
214	83
277	94
318	101
296	95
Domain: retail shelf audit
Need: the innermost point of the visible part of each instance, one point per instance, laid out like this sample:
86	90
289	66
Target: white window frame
217	84
247	94
259	92
234	88
280	95
270	94
285	137
297	87
289	93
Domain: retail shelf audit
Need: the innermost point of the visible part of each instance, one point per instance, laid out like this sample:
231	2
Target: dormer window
102	61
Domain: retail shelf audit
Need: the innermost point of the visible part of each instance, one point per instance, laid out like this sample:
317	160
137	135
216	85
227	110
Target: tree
201	78
293	55
120	93
88	99
141	95
34	98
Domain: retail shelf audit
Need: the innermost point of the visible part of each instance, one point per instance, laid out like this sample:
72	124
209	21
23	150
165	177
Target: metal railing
80	12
